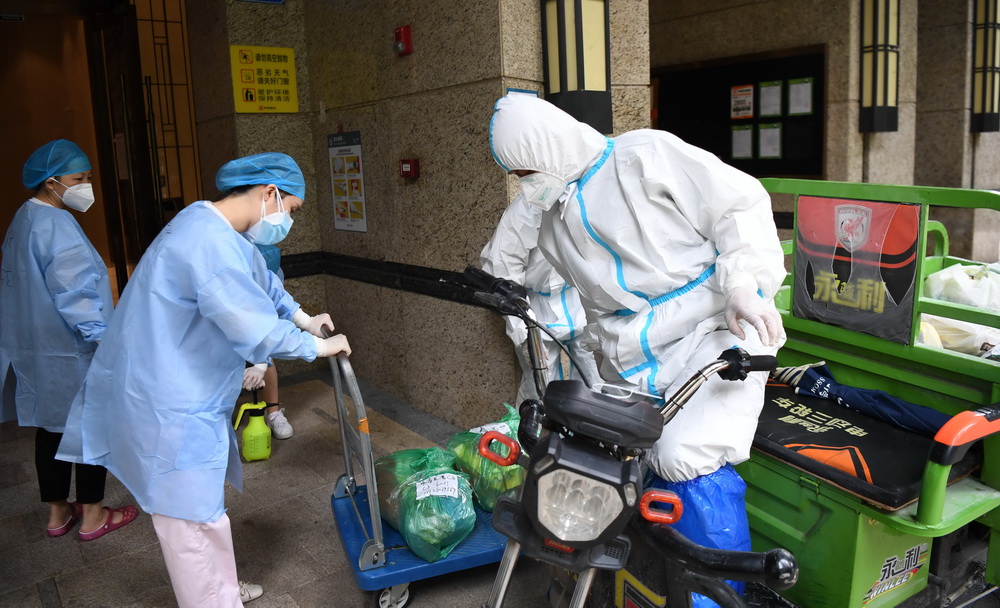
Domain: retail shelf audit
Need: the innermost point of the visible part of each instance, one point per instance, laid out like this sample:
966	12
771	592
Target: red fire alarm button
404	40
409	167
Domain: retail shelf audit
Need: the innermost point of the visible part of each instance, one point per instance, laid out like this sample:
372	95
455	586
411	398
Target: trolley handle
342	357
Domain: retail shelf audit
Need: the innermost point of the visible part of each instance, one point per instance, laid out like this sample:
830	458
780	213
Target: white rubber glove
743	304
253	377
328	347
313	325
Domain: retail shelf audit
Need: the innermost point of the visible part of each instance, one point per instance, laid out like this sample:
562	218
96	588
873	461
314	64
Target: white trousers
717	425
200	561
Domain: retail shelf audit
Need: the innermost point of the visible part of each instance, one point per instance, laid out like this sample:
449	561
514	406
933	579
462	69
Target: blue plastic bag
715	515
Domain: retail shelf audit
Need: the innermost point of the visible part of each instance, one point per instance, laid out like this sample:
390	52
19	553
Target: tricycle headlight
576	508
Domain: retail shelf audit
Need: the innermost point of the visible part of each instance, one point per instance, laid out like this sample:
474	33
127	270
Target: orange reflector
555	545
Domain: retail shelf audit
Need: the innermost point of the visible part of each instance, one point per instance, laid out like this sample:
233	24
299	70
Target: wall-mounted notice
770	98
264	79
800	96
513	91
741	102
347	182
742	141
769	140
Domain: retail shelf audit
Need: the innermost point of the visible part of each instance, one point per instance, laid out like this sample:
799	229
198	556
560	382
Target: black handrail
433	282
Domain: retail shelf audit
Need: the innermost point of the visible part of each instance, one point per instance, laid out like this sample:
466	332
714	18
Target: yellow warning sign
264	79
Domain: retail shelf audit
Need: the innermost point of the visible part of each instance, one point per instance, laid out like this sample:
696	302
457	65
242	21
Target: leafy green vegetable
489	480
422	496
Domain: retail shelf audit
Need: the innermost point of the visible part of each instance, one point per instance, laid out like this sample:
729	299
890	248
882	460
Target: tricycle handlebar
776	568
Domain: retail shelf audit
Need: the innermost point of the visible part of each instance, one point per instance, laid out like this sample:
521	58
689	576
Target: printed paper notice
445	484
770	98
769	140
800	95
743	141
347	182
500	427
264	79
741	102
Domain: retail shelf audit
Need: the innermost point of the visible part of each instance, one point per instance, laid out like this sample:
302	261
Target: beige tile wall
433	105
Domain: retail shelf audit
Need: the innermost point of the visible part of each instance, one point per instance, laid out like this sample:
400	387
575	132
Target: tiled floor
285	535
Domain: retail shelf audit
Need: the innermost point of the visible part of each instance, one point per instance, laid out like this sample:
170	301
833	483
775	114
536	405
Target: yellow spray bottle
256	435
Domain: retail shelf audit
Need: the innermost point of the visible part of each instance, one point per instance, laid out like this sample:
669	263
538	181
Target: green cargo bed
852	551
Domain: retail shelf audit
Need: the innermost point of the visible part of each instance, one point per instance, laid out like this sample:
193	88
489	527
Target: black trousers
54	475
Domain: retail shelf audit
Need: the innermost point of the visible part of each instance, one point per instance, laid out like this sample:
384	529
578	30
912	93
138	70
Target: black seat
874	460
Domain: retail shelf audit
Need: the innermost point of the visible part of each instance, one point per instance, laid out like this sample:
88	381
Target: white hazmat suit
667	245
512	253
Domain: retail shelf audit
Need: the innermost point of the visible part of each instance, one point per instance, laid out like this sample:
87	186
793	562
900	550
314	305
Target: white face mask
541	189
273	227
79	197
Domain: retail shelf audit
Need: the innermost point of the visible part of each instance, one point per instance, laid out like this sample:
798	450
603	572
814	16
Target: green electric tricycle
877	515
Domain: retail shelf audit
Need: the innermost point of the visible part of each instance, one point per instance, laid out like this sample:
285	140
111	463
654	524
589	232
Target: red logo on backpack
852	226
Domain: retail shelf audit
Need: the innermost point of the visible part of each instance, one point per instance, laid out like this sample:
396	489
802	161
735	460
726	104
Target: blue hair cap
59	157
260	170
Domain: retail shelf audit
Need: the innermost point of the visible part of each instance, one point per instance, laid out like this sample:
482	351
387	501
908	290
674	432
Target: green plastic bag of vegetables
489	480
422	496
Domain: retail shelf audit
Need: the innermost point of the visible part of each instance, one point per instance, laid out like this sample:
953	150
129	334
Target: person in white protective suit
676	258
55	295
512	253
157	403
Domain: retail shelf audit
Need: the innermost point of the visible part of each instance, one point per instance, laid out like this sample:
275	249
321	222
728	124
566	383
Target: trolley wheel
383	598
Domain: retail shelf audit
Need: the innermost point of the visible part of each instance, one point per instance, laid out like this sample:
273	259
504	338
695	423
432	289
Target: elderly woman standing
56	301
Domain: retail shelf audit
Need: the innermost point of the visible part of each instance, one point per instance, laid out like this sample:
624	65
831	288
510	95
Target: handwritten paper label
500	427
445	484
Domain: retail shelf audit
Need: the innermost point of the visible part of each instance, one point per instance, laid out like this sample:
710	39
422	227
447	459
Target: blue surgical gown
156	406
272	256
55	299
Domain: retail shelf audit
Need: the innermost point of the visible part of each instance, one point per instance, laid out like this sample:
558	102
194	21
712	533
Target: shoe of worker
250	592
280	428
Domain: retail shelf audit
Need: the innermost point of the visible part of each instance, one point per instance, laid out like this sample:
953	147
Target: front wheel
383	598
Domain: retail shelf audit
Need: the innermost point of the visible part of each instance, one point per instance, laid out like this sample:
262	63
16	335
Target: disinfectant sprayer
256	435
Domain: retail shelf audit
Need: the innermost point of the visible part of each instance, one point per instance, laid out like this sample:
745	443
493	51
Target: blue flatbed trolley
378	555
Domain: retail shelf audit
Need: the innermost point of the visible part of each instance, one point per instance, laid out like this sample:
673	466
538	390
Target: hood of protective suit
531	134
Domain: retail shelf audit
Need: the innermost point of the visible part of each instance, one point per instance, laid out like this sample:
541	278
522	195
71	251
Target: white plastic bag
962	284
960	336
928	336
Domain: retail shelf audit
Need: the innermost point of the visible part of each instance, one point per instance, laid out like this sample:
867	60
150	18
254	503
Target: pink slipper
128	514
74	517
